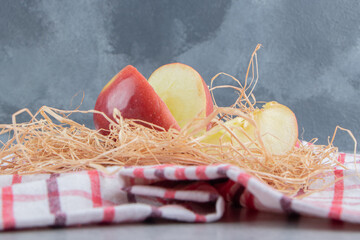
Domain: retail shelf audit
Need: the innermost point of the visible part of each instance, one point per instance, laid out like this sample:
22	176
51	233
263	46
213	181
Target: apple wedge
183	90
276	123
238	125
278	127
130	93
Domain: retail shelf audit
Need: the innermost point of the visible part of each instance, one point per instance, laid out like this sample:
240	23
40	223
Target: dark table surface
237	223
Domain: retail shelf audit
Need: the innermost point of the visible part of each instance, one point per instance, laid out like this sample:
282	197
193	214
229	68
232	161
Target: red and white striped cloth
191	194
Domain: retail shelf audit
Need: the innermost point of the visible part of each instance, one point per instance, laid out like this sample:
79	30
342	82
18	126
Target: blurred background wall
310	60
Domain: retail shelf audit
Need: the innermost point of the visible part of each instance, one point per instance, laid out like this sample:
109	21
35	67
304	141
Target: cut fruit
183	90
132	95
218	134
276	123
278	127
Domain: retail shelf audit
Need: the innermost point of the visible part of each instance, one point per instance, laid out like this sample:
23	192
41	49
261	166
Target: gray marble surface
236	224
50	50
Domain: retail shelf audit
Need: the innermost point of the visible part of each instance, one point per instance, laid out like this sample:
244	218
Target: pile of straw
53	143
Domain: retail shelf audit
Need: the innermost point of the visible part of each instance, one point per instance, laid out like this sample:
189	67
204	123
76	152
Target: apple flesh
276	123
278	127
183	90
218	134
130	93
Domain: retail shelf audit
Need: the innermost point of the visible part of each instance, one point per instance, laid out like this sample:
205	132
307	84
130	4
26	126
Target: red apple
183	90
130	93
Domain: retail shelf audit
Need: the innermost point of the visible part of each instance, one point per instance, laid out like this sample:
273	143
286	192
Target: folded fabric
191	194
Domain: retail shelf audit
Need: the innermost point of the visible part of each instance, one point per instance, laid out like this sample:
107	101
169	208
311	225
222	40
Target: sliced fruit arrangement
175	94
275	122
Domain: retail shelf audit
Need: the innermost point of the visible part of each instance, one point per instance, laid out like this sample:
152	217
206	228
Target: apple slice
277	125
183	90
218	134
130	93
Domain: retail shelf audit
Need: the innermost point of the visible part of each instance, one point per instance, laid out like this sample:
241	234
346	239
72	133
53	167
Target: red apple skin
133	96
209	103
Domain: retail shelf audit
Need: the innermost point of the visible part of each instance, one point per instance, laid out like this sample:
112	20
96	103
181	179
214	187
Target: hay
53	143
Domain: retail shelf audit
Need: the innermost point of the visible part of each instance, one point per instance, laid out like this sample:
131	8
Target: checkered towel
191	194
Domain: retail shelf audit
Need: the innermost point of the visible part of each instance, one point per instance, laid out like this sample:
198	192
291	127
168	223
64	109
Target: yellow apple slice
183	90
278	127
276	124
218	134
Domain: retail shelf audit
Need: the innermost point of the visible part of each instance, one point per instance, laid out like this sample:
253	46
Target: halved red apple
183	90
130	93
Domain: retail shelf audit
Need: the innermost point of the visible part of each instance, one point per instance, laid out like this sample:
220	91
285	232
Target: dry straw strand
53	143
